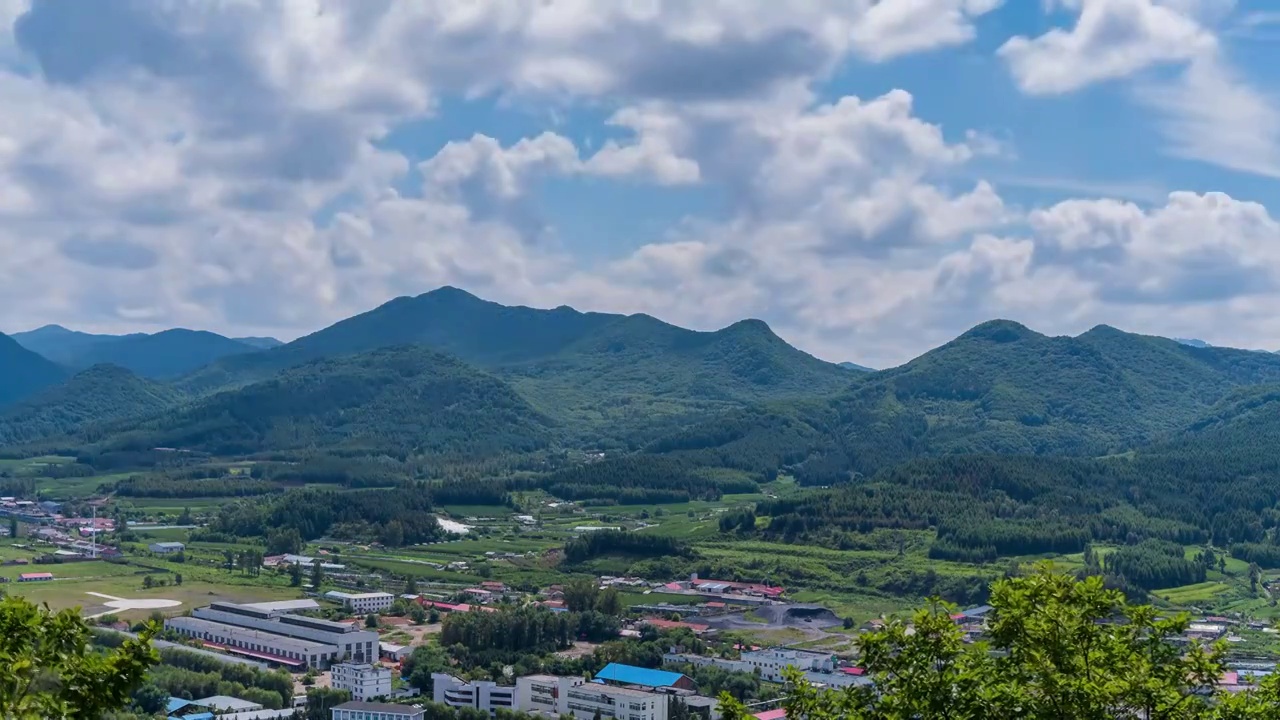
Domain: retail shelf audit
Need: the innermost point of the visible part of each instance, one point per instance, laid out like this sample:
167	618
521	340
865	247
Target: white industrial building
278	636
483	695
356	710
365	682
258	644
769	664
362	602
772	662
165	548
556	695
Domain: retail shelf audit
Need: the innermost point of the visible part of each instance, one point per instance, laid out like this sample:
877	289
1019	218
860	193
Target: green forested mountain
587	369
261	343
64	346
100	394
999	388
24	373
448	320
401	400
637	372
164	354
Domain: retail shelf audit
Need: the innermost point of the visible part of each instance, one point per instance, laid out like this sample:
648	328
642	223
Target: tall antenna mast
93	533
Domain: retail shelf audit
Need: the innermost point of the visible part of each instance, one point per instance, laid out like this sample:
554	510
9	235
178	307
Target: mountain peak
1000	331
751	326
50	330
449	292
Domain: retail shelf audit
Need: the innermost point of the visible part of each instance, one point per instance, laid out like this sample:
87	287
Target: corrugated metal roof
631	675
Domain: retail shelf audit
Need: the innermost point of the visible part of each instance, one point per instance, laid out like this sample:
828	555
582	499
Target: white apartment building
483	695
372	602
356	710
341	641
364	682
772	662
555	695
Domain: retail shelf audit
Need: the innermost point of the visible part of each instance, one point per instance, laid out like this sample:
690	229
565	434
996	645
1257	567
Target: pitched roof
776	714
631	675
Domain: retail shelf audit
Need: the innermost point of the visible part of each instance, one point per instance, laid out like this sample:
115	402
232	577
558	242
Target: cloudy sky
871	177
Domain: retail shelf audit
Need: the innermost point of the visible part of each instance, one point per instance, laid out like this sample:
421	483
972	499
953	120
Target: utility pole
93	533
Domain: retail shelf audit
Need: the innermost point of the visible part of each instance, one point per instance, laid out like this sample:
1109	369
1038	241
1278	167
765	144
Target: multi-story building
770	663
365	682
278	635
375	711
363	602
554	695
480	694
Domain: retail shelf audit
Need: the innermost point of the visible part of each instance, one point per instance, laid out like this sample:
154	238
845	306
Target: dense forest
403	400
640	480
351	515
101	394
986	507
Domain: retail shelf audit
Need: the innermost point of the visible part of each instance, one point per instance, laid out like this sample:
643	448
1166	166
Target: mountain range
447	373
166	354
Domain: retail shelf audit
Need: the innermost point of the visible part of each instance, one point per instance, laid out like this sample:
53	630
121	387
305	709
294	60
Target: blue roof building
619	674
179	709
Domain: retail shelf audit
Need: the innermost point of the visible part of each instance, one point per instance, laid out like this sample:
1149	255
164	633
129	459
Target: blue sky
871	178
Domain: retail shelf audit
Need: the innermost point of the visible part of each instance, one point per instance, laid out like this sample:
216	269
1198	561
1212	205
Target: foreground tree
49	670
1059	648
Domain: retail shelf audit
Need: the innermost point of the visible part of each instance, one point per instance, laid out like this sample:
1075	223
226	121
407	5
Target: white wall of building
553	695
480	694
771	663
364	682
363	602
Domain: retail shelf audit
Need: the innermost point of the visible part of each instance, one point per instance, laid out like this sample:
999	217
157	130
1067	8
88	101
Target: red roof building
34	577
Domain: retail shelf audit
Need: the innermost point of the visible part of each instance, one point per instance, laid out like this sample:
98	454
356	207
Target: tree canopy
1059	648
49	670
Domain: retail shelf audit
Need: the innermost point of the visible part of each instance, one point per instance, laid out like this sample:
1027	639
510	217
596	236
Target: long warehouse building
278	636
254	643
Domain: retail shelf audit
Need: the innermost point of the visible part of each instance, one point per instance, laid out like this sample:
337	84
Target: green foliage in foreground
1060	648
47	669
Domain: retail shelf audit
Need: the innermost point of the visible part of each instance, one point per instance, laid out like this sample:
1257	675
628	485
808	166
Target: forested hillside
447	320
998	389
100	394
403	400
615	376
24	373
165	354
